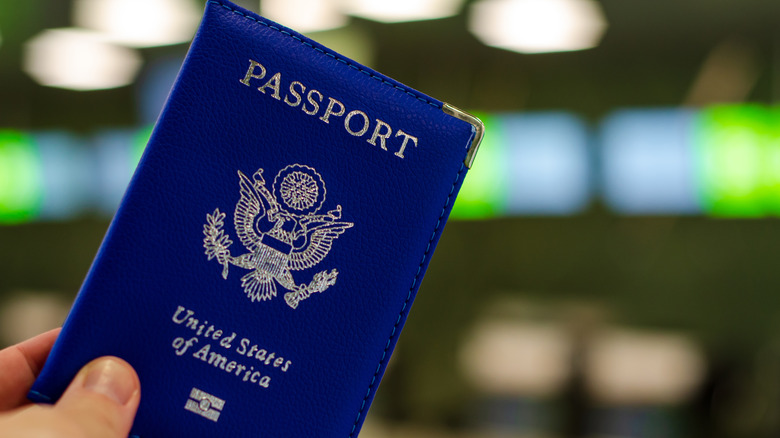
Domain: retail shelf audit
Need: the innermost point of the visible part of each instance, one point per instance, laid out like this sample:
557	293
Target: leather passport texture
270	244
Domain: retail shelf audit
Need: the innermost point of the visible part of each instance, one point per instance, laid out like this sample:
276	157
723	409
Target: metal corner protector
479	128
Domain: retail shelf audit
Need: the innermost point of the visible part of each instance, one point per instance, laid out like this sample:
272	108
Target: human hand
100	402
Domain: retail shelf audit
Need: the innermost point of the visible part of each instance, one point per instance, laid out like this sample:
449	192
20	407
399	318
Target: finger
20	364
102	399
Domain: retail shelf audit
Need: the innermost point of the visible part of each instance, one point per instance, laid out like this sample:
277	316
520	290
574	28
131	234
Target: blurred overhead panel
116	156
738	150
549	164
21	182
304	15
67	175
538	26
52	175
722	161
531	164
393	11
78	59
153	86
648	162
484	193
139	23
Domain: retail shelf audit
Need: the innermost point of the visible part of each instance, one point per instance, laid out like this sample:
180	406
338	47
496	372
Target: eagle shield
282	230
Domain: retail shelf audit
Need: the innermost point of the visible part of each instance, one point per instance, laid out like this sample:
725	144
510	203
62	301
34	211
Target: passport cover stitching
406	302
332	55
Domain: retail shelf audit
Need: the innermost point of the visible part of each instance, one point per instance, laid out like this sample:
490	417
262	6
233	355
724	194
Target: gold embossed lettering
217	360
348	126
226	341
250	73
407	137
310	99
294	94
378	135
181	346
273	84
242	346
265	381
203	353
179	310
329	109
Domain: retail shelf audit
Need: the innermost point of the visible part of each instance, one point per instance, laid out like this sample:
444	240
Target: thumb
102	399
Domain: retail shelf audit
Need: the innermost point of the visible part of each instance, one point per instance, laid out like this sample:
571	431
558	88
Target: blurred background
610	268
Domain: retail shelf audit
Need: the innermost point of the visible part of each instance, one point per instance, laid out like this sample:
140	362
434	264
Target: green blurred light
771	162
733	150
484	192
140	139
21	181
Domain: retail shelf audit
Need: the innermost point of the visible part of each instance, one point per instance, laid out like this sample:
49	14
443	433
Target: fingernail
112	378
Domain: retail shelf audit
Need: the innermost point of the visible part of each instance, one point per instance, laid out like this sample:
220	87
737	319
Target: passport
271	241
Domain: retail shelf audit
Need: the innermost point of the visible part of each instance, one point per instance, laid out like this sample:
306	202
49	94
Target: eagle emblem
283	231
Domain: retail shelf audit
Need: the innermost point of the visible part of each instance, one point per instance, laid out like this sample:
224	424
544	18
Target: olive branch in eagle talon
282	232
216	241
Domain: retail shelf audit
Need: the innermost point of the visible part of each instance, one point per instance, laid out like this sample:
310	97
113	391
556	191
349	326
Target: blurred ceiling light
516	358
139	23
624	367
402	10
538	26
30	313
304	15
79	59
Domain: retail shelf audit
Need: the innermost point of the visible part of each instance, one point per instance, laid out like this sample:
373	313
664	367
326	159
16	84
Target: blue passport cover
271	242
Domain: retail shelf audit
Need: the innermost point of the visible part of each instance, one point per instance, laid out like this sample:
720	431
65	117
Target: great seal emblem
283	232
